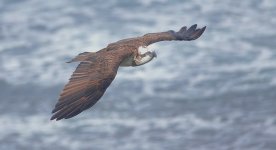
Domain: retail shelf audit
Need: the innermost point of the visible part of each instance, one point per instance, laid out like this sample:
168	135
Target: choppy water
217	92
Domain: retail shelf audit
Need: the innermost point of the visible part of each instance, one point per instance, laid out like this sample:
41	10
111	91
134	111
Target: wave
34	47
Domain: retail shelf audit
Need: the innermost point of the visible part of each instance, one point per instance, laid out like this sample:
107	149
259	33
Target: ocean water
215	93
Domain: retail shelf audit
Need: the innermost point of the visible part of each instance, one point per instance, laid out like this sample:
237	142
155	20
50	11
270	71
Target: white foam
149	2
31	125
59	133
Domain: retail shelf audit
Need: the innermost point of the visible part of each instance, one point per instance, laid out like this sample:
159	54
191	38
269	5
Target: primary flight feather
97	70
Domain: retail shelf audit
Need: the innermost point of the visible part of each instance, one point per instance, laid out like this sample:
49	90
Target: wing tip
194	26
192	33
57	117
53	118
199	33
65	115
62	113
203	28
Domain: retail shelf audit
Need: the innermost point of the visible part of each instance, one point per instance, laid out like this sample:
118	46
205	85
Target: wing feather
182	35
86	86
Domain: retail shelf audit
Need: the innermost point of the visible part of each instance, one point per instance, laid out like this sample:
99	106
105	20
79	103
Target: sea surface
215	93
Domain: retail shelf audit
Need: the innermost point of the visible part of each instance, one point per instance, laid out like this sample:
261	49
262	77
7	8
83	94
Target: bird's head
145	51
145	56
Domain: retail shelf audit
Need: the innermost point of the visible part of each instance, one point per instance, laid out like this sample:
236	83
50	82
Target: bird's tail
81	57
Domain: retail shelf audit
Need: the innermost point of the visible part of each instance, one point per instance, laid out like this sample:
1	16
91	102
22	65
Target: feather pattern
97	70
86	86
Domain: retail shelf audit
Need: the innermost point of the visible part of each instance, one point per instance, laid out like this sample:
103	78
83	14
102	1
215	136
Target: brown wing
183	34
86	86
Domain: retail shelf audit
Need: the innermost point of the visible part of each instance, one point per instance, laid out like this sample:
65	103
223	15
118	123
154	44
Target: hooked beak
154	54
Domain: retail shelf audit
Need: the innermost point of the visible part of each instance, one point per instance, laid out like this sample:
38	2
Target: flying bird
98	69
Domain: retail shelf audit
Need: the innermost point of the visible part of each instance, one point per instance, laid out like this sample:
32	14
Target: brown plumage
97	70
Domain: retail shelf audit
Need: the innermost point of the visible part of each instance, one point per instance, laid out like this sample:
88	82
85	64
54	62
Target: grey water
215	93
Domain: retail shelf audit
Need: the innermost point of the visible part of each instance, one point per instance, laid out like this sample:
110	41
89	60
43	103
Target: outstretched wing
86	86
183	34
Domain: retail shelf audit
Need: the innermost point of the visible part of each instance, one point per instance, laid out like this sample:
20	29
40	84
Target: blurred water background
215	93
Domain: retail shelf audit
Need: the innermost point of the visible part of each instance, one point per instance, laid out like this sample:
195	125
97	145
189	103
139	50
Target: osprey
97	70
